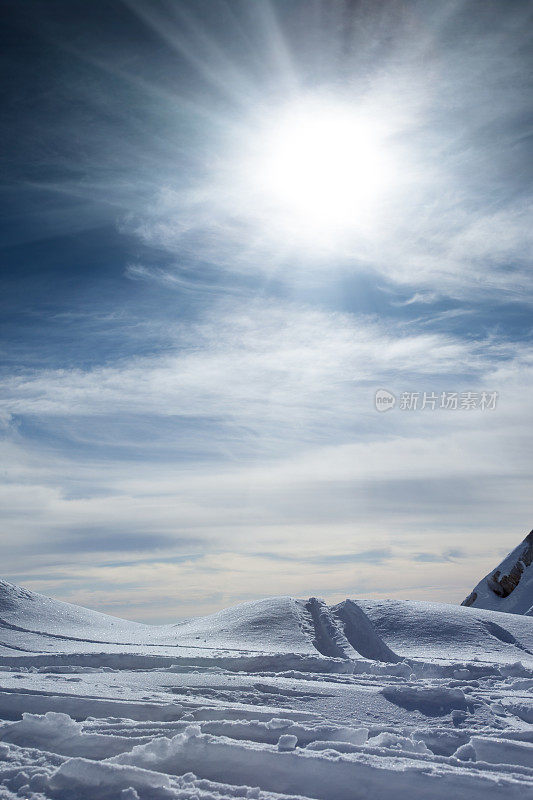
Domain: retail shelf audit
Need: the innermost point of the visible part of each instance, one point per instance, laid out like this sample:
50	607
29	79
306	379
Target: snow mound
270	625
34	622
26	611
416	629
510	586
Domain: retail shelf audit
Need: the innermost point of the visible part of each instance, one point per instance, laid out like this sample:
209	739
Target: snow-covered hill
510	586
274	699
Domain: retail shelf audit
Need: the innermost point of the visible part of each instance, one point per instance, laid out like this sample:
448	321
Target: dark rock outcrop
503	585
503	581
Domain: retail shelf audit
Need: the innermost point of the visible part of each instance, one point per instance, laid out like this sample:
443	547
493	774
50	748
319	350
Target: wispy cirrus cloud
282	446
261	360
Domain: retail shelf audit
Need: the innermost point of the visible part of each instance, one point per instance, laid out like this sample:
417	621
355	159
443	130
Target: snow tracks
338	717
345	631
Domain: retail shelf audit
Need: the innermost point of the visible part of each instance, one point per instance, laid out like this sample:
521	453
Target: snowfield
279	698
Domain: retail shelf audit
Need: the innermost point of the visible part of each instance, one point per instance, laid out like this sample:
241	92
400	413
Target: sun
316	175
319	169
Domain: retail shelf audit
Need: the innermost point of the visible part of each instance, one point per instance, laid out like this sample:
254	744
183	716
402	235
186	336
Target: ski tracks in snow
353	722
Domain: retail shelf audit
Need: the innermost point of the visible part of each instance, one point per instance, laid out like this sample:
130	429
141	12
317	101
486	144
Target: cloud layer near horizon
248	458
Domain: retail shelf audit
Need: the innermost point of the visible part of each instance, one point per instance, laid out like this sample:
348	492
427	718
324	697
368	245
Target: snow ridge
328	637
361	634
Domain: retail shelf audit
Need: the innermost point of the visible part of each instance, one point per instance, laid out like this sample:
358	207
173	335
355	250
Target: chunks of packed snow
287	742
432	701
394	741
59	733
502	751
100	775
522	708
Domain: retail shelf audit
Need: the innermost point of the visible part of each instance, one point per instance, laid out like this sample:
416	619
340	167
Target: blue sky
191	349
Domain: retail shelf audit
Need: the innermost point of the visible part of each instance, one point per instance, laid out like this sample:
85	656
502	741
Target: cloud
417	298
365	556
261	360
182	278
111	540
438	558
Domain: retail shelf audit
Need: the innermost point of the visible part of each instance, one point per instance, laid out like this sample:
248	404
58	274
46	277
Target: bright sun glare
319	170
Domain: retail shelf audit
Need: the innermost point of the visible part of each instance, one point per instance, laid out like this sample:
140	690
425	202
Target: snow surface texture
279	698
510	586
